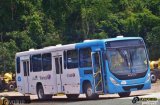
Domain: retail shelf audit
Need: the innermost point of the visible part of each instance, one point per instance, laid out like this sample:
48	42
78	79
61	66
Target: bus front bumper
114	87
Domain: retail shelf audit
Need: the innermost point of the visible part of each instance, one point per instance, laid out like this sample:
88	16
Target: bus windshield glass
127	60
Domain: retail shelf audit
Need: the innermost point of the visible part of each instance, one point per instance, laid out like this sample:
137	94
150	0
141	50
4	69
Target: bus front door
97	72
59	72
25	69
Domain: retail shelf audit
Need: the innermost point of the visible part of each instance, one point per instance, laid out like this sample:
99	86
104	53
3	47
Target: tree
35	24
7	55
154	43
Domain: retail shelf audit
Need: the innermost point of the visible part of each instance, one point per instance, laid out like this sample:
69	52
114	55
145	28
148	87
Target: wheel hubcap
89	91
40	93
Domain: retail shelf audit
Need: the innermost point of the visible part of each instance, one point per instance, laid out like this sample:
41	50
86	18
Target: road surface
110	99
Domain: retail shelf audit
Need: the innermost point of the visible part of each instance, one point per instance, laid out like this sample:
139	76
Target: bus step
60	94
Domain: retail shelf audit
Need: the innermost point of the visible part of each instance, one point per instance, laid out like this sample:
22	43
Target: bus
94	67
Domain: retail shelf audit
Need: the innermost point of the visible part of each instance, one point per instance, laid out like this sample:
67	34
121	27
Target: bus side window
72	59
46	62
85	57
36	62
18	64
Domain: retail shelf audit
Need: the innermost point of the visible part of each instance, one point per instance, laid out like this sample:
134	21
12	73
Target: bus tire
40	93
72	96
89	92
124	94
153	78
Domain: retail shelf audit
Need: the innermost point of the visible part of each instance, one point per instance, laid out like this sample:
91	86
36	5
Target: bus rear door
57	66
25	73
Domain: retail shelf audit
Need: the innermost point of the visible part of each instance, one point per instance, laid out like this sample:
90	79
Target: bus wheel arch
38	84
84	83
40	92
87	89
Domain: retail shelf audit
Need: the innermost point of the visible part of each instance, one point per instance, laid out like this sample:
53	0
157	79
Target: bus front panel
127	64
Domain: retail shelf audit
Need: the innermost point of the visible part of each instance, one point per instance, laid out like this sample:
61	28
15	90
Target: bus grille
127	88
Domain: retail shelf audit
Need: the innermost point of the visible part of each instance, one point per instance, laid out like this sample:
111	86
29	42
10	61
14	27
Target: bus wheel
89	92
40	92
153	78
72	96
124	94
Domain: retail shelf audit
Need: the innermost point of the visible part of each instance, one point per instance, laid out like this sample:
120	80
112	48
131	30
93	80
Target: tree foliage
26	24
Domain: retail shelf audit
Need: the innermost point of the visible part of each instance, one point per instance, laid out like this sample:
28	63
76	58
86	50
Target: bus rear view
128	68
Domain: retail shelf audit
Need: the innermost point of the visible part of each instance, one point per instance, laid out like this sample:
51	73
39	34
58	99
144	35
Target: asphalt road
81	101
110	99
103	100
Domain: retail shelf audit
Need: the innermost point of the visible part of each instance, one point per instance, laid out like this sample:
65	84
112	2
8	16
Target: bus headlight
148	77
114	81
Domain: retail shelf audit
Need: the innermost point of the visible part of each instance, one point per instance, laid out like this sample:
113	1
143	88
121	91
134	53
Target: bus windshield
127	60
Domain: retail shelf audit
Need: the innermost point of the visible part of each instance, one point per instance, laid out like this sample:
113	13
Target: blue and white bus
93	67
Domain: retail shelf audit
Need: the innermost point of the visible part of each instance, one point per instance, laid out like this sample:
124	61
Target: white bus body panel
46	78
70	79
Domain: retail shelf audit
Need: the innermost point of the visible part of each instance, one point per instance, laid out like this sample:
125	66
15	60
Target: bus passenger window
18	64
85	57
46	62
72	59
36	62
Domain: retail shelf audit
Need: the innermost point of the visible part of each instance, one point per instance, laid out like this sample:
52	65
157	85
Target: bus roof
102	41
73	46
121	38
46	49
